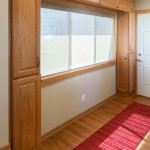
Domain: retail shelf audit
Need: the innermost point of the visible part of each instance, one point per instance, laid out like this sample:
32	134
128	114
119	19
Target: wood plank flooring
75	133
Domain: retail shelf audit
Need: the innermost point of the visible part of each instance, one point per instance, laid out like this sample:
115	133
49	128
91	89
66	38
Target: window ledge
62	76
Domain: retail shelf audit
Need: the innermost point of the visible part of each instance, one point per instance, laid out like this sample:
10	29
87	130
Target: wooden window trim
68	74
82	5
146	11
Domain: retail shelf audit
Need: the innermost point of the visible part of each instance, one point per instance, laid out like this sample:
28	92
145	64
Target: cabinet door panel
123	32
132	31
25	42
122	73
132	72
26	113
109	3
123	5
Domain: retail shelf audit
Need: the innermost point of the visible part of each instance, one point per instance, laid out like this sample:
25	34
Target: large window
73	39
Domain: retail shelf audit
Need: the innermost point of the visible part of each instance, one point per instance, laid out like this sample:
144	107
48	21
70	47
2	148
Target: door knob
139	54
139	60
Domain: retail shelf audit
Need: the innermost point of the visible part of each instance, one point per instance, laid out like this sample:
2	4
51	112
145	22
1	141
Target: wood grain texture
94	2
132	31
123	5
132	72
109	3
122	72
25	32
26	109
83	5
126	48
123	32
142	11
77	132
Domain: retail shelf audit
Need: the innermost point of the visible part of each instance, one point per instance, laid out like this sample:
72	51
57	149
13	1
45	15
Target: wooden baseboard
6	147
53	131
127	95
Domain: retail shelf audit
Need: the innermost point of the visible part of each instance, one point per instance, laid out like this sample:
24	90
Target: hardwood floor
74	134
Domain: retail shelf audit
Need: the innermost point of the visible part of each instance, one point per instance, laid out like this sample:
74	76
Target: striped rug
123	132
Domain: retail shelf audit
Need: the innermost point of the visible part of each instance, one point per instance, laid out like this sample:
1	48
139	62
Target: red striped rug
123	132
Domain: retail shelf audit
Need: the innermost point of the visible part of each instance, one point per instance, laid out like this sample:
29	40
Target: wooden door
123	5
122	73
26	109
109	3
25	37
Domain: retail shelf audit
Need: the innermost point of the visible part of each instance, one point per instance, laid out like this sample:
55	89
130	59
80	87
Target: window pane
82	43
54	41
104	39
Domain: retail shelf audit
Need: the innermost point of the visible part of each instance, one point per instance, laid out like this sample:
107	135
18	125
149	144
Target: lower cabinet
26	110
132	72
126	74
122	73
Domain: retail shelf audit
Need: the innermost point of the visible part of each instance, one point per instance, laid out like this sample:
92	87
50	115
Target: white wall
62	101
3	72
142	4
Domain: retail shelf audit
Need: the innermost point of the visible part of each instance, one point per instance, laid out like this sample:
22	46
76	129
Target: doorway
143	54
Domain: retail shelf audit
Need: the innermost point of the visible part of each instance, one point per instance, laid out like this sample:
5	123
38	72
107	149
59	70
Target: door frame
137	12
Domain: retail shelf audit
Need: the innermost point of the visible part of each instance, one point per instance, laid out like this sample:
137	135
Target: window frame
52	78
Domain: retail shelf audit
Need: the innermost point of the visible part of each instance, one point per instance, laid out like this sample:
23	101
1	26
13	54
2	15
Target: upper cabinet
123	5
25	41
109	3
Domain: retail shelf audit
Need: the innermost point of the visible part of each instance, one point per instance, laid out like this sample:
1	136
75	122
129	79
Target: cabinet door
132	72
25	37
26	113
132	31
109	3
122	73
123	5
123	33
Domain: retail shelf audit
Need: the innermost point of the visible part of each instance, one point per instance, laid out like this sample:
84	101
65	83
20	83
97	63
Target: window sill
62	76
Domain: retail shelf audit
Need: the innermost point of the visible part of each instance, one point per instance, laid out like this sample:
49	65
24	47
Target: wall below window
142	4
62	101
4	73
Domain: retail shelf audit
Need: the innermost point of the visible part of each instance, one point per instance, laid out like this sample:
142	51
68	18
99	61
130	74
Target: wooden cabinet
126	54
26	113
93	2
25	39
132	71
123	5
122	73
109	3
132	31
123	32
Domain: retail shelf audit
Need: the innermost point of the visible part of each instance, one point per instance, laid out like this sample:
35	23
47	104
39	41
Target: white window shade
71	39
